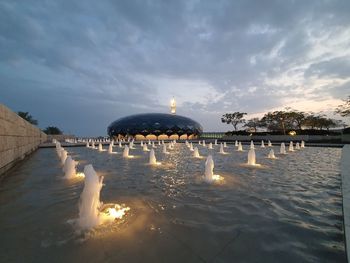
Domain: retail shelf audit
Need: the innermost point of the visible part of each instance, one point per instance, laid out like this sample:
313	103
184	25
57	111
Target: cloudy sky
79	65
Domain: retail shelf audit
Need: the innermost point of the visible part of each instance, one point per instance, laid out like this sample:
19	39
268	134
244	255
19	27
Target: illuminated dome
155	126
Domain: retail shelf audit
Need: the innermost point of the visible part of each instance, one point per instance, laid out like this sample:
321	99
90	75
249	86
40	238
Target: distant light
292	133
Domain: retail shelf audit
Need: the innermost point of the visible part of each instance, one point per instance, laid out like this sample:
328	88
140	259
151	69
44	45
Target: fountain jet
262	144
209	175
291	147
271	154
283	148
196	153
152	158
251	157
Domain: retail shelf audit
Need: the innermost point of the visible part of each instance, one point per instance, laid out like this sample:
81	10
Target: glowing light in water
91	213
209	175
70	169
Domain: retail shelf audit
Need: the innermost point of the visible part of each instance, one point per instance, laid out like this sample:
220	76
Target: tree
277	120
297	118
52	130
344	109
233	118
27	117
253	123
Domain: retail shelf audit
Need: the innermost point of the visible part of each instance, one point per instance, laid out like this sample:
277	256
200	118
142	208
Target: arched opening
140	137
183	137
174	137
163	137
151	137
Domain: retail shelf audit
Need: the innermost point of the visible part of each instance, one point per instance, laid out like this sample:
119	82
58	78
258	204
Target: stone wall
18	138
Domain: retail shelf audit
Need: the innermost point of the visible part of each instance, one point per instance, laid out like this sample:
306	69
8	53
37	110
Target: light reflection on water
289	210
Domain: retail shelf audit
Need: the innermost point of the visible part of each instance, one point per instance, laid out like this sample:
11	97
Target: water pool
288	210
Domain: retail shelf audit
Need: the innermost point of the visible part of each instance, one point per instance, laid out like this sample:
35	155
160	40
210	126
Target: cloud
106	60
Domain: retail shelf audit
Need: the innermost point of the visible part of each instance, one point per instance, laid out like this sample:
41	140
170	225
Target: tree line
289	119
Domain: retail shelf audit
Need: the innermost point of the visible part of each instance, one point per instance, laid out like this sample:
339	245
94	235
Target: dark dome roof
154	123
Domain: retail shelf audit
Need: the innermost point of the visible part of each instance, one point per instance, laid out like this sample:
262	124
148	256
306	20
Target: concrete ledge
345	174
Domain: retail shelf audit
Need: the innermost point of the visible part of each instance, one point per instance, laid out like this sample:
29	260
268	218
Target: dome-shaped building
159	126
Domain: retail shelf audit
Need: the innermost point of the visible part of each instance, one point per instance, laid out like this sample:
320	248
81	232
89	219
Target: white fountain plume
87	145
186	143
225	145
252	145
126	152
297	146
240	148
191	147
63	156
93	145
70	171
153	145
291	147
145	148
269	144
100	149
199	143
283	148
112	142
152	158
216	142
302	144
90	199
120	144
236	143
196	153
149	142
164	149
209	175
141	143
210	146
251	157
163	142
271	154
110	148
262	144
159	143
222	148
203	143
